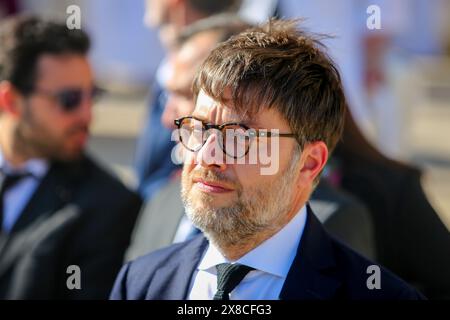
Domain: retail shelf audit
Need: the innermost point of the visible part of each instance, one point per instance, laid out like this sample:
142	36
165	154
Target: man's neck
9	153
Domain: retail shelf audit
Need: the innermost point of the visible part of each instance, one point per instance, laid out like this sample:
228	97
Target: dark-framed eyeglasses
236	137
70	99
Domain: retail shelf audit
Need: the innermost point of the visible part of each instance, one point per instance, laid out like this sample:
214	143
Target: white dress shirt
184	231
16	197
272	260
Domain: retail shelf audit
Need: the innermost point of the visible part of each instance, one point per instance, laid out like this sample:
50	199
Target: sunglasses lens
70	99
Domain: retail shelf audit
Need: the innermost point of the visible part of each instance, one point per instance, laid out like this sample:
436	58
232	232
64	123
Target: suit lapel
171	282
312	274
52	193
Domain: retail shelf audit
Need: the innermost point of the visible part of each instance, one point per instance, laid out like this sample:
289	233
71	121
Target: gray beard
256	211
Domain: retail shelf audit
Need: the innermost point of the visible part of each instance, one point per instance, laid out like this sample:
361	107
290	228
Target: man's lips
80	137
213	187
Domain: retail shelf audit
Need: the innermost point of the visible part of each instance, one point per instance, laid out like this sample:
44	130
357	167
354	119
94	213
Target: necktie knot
228	277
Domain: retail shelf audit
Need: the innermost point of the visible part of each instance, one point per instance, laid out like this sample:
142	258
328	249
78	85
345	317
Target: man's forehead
64	70
215	111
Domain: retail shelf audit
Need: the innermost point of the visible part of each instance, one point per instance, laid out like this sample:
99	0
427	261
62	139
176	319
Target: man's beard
256	210
33	140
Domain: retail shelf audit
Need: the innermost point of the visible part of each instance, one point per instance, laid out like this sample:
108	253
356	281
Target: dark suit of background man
58	207
262	239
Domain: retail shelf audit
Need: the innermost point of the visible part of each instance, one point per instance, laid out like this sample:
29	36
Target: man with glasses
261	240
162	220
65	222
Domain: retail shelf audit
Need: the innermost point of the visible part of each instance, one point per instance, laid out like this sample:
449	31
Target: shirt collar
36	167
284	244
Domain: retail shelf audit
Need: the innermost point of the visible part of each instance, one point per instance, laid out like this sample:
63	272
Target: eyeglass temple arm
258	133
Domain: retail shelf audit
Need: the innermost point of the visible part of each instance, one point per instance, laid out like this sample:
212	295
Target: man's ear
313	159
9	98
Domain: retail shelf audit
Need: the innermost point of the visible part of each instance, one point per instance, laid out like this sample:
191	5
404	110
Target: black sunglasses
70	99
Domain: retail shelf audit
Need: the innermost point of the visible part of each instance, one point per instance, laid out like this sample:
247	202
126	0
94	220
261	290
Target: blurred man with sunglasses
64	221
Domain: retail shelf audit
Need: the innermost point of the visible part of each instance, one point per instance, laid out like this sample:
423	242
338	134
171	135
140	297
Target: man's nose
85	110
211	154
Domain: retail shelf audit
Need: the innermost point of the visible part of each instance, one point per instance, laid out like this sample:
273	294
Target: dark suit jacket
345	217
322	269
79	215
411	240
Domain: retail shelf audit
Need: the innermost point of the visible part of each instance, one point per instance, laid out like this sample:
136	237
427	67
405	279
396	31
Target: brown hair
24	39
277	65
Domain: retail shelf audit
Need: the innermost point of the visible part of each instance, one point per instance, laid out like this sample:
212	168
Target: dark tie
8	181
228	277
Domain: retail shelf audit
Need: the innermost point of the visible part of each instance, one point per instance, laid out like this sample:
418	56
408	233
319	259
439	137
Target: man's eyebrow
247	121
250	122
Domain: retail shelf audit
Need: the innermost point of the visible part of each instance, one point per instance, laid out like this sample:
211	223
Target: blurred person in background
152	159
59	209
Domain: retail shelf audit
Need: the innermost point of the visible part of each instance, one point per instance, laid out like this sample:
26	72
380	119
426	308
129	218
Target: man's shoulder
100	174
164	257
98	194
329	269
135	277
94	178
365	279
